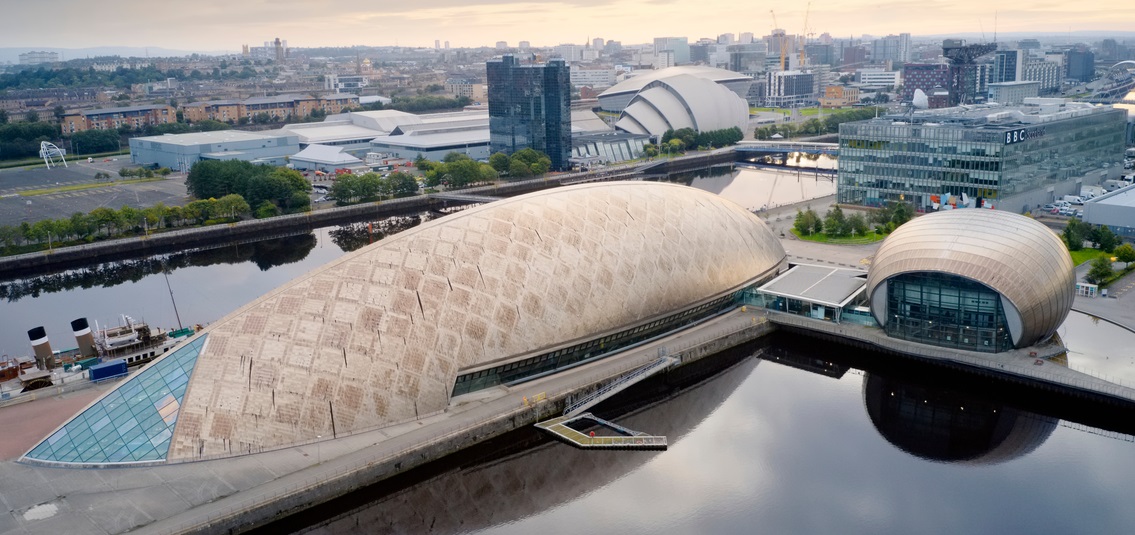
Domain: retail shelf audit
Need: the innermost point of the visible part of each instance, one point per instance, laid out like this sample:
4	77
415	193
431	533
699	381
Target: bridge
784	147
464	197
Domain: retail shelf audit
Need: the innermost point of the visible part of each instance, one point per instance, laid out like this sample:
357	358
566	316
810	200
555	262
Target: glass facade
948	311
890	159
530	107
132	423
558	359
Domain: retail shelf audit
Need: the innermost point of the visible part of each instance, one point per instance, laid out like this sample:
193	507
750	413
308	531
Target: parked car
1048	207
1067	211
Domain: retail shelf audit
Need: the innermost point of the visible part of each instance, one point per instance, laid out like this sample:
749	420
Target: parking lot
16	206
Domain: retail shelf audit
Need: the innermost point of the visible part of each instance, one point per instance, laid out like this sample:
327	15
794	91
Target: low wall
270	509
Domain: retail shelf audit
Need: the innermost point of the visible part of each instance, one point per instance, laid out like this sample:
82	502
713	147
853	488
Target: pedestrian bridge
784	147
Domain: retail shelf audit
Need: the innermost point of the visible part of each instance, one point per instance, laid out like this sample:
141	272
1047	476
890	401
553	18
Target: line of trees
285	189
523	163
418	104
105	223
22	139
816	126
456	170
1077	232
836	224
350	189
678	141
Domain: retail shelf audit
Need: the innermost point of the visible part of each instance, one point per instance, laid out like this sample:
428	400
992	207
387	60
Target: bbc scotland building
1012	157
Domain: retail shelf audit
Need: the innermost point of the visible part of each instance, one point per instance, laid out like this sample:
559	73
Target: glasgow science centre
469	307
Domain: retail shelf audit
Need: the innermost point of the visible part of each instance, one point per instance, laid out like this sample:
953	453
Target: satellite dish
920	101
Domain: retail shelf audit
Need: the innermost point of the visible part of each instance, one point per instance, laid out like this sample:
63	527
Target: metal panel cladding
379	336
1014	255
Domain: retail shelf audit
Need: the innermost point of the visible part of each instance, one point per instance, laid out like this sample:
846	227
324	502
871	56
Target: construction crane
804	35
781	40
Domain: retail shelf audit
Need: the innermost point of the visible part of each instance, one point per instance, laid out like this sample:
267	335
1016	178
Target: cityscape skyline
226	26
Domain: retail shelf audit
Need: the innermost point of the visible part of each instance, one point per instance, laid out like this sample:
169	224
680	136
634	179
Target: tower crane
804	34
781	40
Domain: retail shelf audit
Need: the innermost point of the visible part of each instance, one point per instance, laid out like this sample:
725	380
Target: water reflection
763	188
358	235
264	254
509	486
950	425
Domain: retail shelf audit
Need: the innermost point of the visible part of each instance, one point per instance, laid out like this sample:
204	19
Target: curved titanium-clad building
493	295
982	280
618	96
683	101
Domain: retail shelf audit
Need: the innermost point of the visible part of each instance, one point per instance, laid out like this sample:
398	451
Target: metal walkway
618	385
629	439
464	197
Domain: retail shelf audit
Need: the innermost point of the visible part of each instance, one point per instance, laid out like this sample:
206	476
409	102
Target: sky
224	25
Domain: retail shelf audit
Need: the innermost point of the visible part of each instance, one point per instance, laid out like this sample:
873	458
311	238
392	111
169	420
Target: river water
803	437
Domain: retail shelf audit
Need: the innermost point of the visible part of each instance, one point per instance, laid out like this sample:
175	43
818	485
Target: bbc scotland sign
1023	134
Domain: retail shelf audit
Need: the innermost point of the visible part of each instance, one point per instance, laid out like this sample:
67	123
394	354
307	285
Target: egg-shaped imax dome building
491	296
981	280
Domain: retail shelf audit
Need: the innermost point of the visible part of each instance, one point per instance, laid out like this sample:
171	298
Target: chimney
84	337
44	360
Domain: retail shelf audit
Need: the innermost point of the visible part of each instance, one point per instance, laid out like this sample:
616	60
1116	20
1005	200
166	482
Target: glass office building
530	107
1006	155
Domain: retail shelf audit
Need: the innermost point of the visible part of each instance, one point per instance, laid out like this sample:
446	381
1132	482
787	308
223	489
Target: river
811	447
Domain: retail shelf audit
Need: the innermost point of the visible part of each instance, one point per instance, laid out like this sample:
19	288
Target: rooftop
818	284
1119	197
216	136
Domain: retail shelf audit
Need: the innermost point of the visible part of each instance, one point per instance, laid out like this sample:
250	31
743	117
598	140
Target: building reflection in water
946	425
508	487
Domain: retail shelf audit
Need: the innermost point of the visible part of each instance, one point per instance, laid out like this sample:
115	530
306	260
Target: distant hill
12	54
1075	36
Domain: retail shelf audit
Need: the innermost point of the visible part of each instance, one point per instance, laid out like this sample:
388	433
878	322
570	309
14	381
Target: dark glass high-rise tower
530	107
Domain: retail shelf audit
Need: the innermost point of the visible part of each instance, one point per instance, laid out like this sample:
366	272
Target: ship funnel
84	337
44	360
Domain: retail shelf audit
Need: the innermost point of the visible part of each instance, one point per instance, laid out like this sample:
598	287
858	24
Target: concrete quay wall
362	470
1028	366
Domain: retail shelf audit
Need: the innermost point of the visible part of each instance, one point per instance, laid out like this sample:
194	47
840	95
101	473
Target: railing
618	385
1064	376
205	515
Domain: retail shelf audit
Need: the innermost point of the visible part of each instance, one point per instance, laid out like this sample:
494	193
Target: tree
59	111
1100	270
1074	234
500	162
232	205
1104	239
3	116
402	184
835	223
1125	253
805	221
92	141
518	169
858	224
266	209
901	213
32	116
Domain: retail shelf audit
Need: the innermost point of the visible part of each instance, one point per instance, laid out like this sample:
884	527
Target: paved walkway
1117	308
182	497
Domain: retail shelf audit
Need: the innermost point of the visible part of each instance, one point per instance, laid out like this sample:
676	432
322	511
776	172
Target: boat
136	342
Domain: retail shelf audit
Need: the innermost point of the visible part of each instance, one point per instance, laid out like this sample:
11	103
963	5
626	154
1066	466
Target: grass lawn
871	237
1085	255
809	111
